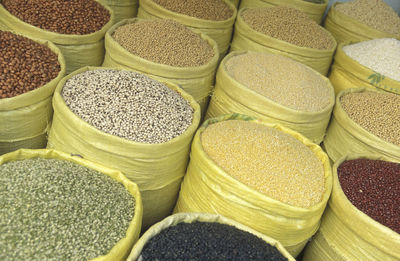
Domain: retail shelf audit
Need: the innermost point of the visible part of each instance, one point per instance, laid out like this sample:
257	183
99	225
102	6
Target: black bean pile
373	186
24	65
57	210
60	16
208	241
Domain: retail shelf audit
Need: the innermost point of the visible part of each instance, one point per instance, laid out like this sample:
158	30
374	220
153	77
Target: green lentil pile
378	113
128	104
289	25
164	41
374	13
380	55
282	80
216	10
57	210
267	160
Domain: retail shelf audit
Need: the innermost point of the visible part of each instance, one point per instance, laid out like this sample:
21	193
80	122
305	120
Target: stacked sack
274	88
286	31
373	63
184	57
361	20
79	35
30	71
362	219
129	122
262	175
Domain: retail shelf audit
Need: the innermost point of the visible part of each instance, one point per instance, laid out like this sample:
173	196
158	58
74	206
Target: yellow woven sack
78	50
347	29
246	38
199	217
347	73
123	9
344	136
230	96
158	169
120	250
25	119
197	81
313	10
348	234
219	31
207	188
235	2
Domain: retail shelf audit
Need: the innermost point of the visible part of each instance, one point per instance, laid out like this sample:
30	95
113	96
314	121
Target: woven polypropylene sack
197	81
347	29
121	249
199	217
26	118
313	10
344	136
207	188
123	9
78	50
219	31
347	73
348	234
246	38
235	2
158	169
230	96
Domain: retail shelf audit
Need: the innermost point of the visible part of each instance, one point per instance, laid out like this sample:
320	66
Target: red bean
373	186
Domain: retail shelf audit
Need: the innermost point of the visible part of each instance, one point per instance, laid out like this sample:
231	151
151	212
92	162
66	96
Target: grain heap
267	160
267	74
24	65
77	17
208	241
373	186
378	113
289	25
379	55
128	105
315	1
56	209
164	41
216	10
374	13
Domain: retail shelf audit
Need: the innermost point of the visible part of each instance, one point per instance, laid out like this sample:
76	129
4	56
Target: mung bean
57	210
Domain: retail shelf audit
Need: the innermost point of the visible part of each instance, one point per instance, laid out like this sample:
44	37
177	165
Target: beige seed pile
282	80
380	55
216	10
374	13
165	42
267	160
289	25
378	113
